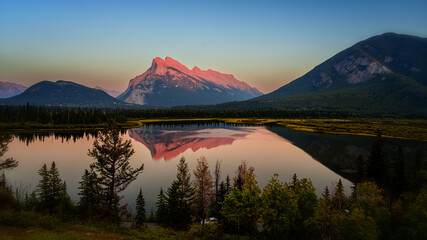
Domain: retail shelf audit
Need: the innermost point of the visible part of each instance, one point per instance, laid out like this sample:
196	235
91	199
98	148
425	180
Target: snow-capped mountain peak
174	83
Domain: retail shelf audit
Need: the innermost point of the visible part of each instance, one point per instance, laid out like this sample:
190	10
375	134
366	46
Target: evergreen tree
218	193
43	189
162	211
151	216
112	164
203	185
180	197
140	209
52	191
7	163
378	167
322	217
361	169
227	185
239	179
339	199
90	194
399	180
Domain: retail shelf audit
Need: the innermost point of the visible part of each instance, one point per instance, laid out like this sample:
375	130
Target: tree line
208	206
83	115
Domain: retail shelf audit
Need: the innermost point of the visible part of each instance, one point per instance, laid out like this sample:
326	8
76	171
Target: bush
28	219
211	231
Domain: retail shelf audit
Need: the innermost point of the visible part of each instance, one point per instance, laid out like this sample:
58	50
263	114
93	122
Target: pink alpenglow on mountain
169	83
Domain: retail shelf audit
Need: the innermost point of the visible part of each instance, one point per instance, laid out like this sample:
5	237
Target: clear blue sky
264	43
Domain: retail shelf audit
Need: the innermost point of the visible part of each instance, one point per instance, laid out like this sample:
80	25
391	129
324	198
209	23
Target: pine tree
140	209
217	200
43	188
90	193
52	191
112	164
180	198
227	185
399	180
239	179
339	199
7	163
203	185
378	167
151	216
162	211
361	169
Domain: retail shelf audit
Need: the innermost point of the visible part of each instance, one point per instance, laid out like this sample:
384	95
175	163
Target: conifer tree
90	194
162	211
43	188
52	191
361	169
378	167
399	180
112	165
339	199
180	198
239	179
140	209
151	216
227	185
203	185
7	163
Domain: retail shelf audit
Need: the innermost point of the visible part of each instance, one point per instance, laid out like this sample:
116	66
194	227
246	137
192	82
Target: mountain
385	73
8	89
64	93
169	83
112	93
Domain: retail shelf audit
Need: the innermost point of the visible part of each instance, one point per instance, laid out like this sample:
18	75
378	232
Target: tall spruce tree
180	198
52	191
203	185
339	200
162	208
378	167
112	165
89	206
140	209
7	163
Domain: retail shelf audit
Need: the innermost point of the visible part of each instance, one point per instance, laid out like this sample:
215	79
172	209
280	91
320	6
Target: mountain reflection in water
169	143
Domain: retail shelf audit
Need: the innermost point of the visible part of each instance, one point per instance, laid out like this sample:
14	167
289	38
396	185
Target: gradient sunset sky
264	43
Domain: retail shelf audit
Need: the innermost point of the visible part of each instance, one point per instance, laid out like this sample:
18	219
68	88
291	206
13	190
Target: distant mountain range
113	93
385	73
64	93
169	83
8	89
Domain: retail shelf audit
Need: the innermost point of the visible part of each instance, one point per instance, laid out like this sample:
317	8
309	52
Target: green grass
390	128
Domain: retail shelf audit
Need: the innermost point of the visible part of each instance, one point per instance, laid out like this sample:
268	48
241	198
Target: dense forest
78	115
388	201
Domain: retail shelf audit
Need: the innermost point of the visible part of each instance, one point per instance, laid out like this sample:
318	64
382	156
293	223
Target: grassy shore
27	225
390	128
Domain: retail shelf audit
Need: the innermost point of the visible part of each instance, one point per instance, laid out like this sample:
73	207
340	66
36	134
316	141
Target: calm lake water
269	149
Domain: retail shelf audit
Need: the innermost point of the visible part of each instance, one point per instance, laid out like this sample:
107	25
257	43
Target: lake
269	149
